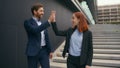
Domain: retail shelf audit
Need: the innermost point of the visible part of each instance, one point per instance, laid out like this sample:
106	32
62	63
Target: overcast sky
107	2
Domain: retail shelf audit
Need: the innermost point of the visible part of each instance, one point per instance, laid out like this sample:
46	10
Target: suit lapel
83	41
33	22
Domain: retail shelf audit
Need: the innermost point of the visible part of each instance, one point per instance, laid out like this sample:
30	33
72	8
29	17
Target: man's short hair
36	7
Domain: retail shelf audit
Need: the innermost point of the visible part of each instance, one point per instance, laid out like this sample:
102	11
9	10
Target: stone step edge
114	63
63	65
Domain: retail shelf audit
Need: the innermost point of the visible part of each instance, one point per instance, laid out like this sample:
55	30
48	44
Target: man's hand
51	55
87	66
52	17
53	13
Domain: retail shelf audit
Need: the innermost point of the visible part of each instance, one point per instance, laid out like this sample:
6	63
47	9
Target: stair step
96	62
106	46
106	37
57	65
63	65
106	51
102	47
106	43
106	40
107	56
103	50
100	67
59	54
98	56
109	63
108	34
59	60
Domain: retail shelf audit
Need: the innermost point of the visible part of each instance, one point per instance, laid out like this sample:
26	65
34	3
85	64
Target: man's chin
40	17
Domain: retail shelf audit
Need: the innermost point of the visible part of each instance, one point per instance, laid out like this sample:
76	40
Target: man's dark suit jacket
87	46
34	37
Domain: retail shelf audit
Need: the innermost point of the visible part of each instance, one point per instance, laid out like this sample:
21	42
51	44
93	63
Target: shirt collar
35	19
78	31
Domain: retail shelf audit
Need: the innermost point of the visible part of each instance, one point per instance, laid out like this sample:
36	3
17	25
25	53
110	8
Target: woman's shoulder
88	31
70	29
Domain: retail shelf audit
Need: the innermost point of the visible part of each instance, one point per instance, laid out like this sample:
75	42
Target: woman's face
74	20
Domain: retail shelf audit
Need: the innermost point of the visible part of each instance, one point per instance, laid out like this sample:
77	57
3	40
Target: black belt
74	56
43	47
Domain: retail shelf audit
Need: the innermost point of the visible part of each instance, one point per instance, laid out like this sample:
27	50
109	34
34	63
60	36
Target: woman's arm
57	32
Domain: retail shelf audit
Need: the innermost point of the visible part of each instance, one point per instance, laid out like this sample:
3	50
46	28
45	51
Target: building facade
109	14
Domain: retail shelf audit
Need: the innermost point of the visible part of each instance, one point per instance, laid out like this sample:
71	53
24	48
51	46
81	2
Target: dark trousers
74	62
42	58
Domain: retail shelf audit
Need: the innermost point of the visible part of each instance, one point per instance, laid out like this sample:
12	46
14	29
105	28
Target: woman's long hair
82	25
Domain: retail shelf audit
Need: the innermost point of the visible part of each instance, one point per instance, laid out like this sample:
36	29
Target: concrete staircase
106	44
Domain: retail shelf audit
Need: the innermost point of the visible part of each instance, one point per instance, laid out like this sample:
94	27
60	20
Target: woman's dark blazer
87	45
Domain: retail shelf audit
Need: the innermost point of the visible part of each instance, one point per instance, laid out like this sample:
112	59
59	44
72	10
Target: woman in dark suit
78	42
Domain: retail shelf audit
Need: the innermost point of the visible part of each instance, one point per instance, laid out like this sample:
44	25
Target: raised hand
87	66
53	13
52	17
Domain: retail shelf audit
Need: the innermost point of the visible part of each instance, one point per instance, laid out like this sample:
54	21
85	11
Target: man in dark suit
38	45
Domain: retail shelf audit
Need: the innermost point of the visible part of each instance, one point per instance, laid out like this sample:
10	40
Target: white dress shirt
76	43
42	32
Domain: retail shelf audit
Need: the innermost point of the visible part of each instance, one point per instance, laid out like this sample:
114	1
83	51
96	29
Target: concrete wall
13	37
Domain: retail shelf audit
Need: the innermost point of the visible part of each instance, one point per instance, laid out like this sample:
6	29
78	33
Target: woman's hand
51	55
87	66
52	17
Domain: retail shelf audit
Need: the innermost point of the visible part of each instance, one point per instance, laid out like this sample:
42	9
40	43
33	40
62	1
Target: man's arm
35	29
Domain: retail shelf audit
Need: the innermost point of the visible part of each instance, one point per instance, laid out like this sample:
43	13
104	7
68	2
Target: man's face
39	13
